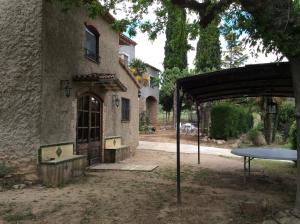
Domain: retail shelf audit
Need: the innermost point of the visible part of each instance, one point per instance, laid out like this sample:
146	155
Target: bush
5	170
293	136
285	118
256	137
144	124
229	121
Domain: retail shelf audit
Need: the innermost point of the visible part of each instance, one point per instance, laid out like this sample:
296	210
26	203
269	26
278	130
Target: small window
92	43
126	60
125	109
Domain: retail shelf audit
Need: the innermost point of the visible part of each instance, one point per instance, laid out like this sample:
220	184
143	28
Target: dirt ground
170	136
212	193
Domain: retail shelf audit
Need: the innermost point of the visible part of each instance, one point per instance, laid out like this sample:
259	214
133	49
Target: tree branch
207	10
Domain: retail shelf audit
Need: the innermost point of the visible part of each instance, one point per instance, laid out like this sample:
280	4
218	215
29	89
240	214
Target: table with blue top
264	153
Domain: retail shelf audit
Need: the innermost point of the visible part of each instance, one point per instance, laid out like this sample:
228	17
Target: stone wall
20	83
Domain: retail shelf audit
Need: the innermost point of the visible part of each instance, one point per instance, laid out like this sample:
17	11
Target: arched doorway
151	109
89	128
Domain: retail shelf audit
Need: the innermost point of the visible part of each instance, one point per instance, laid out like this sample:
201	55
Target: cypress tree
176	45
208	56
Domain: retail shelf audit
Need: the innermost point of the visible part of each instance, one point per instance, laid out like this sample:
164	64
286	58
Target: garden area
245	122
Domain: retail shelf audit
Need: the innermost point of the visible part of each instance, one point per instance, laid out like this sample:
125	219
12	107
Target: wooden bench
114	151
58	164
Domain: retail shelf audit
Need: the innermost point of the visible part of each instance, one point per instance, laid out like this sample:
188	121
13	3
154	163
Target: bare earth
212	193
170	136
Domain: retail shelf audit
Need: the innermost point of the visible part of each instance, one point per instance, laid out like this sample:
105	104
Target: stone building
61	82
149	100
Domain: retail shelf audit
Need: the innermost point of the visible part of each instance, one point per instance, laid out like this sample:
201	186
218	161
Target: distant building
149	99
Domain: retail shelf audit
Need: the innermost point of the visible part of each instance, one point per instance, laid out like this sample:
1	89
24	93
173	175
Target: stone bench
114	151
58	164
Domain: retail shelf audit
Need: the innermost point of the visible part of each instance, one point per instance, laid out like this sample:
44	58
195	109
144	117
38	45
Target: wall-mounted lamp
271	107
66	86
116	100
139	93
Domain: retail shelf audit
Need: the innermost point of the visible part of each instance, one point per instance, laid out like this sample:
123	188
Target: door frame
91	94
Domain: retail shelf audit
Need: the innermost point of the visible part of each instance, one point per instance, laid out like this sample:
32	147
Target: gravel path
185	148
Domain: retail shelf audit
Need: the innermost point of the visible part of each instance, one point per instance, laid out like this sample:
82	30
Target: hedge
293	136
229	121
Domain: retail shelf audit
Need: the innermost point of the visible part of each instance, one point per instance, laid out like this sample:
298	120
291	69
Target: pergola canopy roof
273	79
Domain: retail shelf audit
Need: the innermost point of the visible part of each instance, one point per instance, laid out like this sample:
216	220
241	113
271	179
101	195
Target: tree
208	56
139	70
275	22
167	86
234	55
176	45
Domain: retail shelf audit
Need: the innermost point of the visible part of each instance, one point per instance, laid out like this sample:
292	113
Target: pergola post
198	133
178	108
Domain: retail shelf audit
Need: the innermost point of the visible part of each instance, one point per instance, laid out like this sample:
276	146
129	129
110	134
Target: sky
152	52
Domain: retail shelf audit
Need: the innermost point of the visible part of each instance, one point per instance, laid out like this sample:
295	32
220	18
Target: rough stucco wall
64	38
20	83
129	130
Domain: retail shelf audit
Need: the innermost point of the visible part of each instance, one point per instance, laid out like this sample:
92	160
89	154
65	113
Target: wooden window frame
127	118
92	30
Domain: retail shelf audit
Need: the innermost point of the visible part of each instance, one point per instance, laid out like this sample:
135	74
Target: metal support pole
245	168
198	126
178	107
249	160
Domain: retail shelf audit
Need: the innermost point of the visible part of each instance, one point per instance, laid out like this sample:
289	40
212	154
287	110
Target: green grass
19	216
277	167
204	176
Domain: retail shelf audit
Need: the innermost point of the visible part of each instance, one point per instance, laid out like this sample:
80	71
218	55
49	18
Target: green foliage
176	45
234	56
256	136
208	56
139	66
286	117
144	121
286	112
167	86
269	22
229	121
5	170
293	136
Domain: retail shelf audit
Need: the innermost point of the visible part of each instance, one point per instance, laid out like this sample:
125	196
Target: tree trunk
275	127
268	121
295	69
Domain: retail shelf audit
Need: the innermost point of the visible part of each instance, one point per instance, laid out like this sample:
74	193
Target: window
92	43
126	59
125	109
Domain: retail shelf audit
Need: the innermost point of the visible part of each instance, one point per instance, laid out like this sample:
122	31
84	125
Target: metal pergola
273	79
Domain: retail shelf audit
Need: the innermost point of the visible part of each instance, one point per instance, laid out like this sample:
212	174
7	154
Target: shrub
144	124
5	170
285	118
229	121
256	137
293	136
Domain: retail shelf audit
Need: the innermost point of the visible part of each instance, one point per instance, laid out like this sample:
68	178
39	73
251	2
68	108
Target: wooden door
89	128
